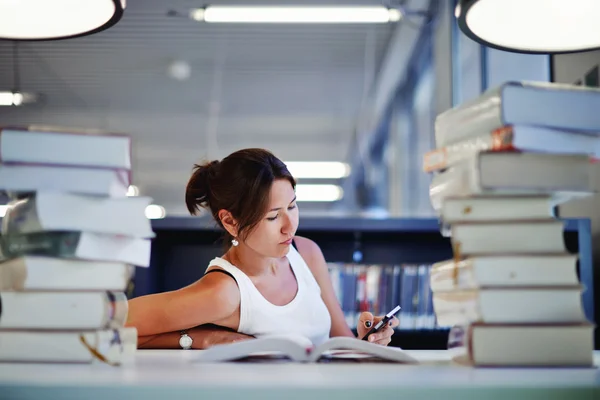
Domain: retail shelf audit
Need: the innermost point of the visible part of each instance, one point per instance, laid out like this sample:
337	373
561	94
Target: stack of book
502	164
71	239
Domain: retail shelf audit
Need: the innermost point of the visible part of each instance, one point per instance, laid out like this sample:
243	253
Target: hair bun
213	167
197	192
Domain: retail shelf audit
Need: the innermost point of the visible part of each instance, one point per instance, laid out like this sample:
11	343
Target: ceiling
295	90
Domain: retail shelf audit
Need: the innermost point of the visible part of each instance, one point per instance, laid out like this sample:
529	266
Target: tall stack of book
71	239
502	163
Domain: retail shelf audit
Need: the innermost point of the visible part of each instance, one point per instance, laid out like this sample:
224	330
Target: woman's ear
229	223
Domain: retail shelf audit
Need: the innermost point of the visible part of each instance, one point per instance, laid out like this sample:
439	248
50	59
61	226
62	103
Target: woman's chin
283	250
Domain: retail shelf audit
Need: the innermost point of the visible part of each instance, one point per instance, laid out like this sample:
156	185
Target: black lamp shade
532	26
28	20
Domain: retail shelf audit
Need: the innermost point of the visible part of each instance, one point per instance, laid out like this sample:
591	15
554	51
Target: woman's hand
366	321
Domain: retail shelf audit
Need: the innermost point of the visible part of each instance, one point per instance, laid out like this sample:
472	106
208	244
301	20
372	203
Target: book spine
21	216
398	275
407	313
53	244
362	303
431	320
423	287
501	139
382	291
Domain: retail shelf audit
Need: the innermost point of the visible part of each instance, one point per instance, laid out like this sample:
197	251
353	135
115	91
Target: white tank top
305	315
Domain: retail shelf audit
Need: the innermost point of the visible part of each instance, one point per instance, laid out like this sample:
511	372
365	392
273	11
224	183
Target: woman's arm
208	300
203	337
312	255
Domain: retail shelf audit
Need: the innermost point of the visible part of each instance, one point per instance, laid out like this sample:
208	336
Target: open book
301	349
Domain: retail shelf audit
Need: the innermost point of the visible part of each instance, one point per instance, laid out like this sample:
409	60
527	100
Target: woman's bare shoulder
310	252
307	246
220	287
219	279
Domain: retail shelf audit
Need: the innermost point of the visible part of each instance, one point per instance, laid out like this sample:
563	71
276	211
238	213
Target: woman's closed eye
275	217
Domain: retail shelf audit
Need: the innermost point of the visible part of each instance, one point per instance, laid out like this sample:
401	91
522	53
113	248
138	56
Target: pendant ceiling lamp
57	19
532	26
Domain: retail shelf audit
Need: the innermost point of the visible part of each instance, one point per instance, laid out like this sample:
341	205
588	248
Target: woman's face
273	235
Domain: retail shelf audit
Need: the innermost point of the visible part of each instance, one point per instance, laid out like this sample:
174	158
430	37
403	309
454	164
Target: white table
169	374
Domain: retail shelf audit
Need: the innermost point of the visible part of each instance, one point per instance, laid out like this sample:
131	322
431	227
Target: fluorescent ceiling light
57	19
154	211
532	26
16	98
296	14
133	190
314	193
318	169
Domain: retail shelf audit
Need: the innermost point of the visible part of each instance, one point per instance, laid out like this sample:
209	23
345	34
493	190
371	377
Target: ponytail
197	191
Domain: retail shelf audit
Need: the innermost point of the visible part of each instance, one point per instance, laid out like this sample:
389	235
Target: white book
557	105
114	346
508	238
300	349
62	274
90	181
509	306
513	138
504	271
78	245
562	177
490	208
525	345
45	145
63	310
54	211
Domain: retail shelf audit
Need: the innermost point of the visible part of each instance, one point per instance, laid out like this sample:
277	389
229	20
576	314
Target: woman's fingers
382	337
394	322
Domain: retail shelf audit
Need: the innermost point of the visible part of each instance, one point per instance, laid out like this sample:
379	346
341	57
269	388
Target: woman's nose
286	225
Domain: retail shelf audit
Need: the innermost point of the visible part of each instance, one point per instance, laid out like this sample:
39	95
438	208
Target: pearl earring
234	242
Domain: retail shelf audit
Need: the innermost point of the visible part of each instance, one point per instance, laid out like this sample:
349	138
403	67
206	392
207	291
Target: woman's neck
252	263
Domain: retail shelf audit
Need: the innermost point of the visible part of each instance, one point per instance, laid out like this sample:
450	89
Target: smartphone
382	323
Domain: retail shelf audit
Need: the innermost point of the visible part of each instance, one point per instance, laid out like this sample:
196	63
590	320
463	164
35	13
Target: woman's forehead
281	192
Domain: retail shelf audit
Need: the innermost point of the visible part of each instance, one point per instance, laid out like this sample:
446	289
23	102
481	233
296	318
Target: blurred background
364	95
188	91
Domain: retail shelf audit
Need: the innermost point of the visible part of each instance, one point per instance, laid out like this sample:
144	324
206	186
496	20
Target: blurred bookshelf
374	264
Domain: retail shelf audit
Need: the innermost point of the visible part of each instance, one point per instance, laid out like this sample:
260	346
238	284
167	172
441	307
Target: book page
264	348
352	348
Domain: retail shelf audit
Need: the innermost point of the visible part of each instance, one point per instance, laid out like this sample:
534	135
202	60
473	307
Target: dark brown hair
240	184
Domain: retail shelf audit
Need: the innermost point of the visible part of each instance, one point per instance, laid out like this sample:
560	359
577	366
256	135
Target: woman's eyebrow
279	208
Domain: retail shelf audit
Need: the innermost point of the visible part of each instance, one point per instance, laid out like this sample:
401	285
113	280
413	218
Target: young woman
269	281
